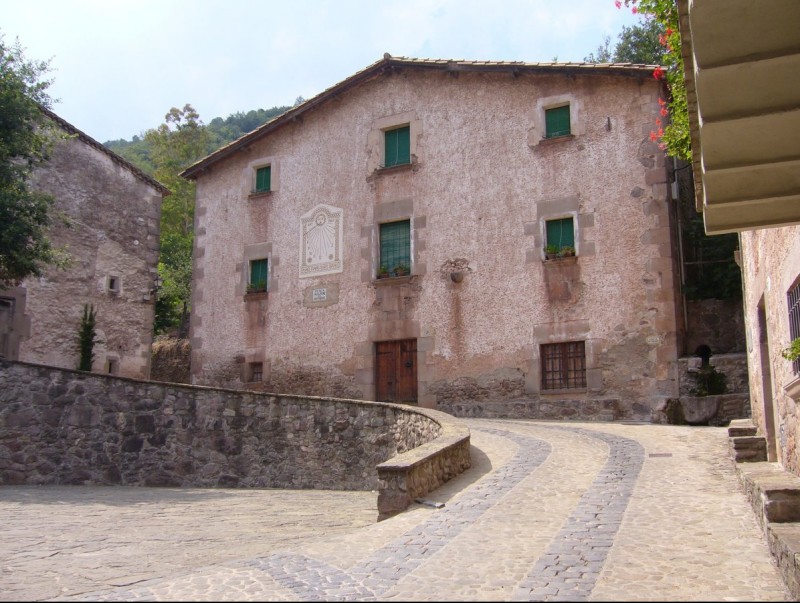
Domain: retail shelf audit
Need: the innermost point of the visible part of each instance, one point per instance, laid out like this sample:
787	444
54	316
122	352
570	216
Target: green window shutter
263	179
259	271
557	121
561	233
395	240
397	143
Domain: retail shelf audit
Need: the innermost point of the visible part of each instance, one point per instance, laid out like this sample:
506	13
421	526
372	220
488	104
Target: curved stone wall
69	427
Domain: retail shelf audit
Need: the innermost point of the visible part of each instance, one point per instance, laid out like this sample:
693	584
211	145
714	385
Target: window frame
252	286
258	171
793	307
397	159
567	377
398	259
551	111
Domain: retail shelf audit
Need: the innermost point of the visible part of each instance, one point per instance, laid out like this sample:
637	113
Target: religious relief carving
321	241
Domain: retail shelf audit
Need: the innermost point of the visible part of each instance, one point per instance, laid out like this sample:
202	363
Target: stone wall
68	427
717	323
108	222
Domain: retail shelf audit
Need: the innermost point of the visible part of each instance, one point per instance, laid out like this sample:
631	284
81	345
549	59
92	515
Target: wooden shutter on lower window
561	233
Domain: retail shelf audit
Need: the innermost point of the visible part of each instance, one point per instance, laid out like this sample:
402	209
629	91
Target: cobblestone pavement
549	511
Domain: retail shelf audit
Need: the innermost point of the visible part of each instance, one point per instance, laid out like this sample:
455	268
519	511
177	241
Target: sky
118	66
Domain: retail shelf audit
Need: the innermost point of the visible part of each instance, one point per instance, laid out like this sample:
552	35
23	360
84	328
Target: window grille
395	242
561	233
259	271
564	365
256	372
793	299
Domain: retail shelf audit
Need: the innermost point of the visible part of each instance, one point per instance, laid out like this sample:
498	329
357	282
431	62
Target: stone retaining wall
67	427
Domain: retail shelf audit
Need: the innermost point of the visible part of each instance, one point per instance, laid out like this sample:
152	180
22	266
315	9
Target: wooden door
396	371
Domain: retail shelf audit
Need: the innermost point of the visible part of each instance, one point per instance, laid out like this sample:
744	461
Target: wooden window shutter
397	143
259	271
263	179
561	233
557	122
395	242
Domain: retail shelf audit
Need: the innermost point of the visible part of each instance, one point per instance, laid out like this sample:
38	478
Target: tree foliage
87	338
672	132
639	44
25	136
164	152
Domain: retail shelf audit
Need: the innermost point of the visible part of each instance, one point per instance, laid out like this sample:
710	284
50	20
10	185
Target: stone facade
69	427
770	260
107	218
478	192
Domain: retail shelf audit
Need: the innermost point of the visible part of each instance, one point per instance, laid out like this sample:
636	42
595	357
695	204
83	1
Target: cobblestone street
549	511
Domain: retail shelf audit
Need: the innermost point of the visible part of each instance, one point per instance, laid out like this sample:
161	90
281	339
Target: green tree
25	137
87	338
673	133
177	143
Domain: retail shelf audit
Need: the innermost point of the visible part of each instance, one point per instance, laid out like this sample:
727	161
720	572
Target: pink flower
663	112
653	136
618	4
634	10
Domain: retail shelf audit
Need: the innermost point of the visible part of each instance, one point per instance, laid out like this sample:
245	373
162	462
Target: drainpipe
682	269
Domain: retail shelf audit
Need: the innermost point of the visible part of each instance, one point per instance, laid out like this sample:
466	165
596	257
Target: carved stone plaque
321	241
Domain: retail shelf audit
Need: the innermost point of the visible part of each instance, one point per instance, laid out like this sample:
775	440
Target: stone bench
413	474
774	494
745	446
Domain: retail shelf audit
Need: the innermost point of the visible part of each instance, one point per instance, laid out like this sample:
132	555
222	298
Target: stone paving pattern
549	511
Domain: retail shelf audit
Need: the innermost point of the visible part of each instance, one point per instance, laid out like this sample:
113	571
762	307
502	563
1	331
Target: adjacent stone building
485	238
106	217
744	109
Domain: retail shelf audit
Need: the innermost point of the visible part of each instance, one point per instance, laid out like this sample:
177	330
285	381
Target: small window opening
563	365
256	372
557	122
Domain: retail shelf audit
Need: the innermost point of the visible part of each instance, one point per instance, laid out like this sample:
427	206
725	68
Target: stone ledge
774	495
748	449
741	427
413	474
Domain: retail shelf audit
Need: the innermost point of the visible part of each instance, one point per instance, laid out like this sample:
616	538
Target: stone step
748	449
741	427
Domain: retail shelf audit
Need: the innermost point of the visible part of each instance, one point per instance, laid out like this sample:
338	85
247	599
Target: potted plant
567	251
256	287
401	269
792	352
551	252
383	272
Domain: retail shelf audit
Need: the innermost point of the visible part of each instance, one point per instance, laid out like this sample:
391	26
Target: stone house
390	239
740	61
107	218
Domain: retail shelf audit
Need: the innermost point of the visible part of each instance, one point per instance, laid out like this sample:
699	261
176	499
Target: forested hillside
164	152
220	132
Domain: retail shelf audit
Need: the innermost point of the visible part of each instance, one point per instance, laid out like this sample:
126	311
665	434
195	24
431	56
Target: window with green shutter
263	179
397	144
560	233
259	272
395	247
557	122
